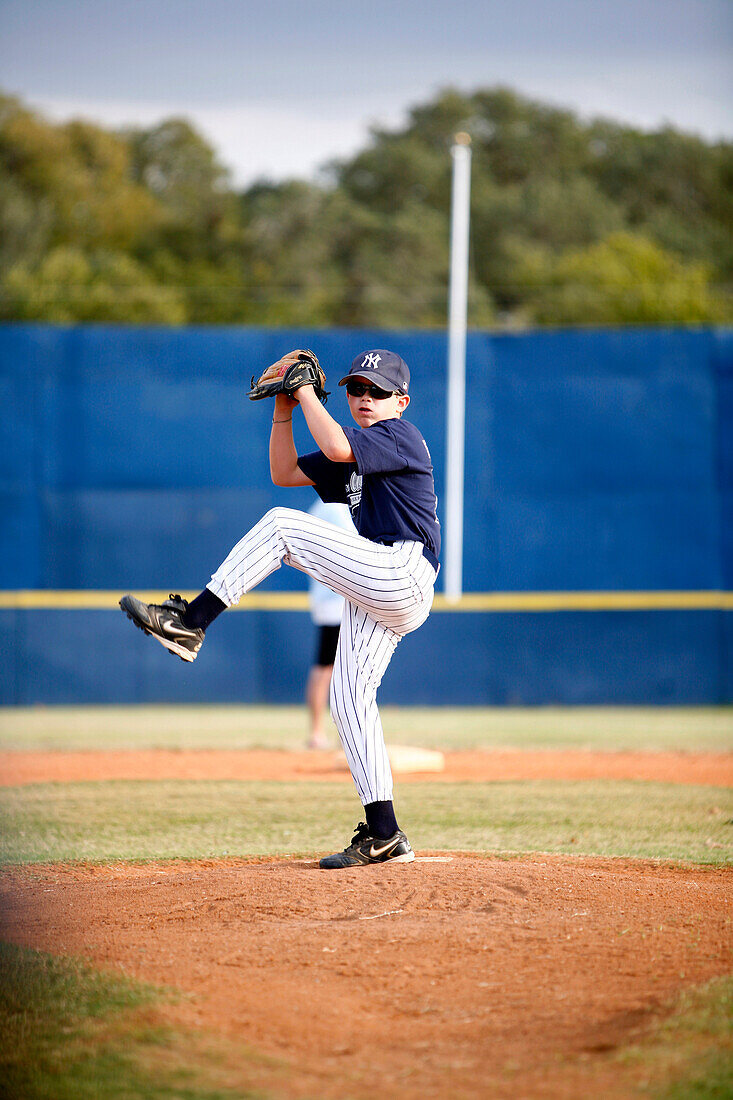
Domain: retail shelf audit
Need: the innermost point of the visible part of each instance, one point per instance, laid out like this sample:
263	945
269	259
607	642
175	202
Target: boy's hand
296	369
284	404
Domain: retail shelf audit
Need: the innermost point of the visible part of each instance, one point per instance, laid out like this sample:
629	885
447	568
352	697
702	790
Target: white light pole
457	312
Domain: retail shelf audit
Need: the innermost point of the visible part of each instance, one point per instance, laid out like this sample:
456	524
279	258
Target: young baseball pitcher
385	570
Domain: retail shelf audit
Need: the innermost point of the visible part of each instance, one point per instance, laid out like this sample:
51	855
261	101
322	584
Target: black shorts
328	637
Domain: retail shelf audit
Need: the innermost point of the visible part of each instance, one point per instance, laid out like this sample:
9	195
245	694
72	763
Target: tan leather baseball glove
297	368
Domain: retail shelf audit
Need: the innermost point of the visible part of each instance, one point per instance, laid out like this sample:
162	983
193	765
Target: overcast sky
282	86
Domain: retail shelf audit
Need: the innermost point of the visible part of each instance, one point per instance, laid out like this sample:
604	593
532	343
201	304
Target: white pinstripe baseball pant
388	592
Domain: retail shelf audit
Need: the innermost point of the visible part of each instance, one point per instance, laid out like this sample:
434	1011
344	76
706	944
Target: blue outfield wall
596	461
456	658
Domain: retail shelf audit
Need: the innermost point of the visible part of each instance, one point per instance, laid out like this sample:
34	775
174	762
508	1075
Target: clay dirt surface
707	769
454	975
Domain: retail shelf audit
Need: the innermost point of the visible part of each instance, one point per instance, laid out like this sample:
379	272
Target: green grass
689	1054
68	1032
699	729
203	819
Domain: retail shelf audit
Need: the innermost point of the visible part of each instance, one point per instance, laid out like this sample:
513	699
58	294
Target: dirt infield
708	769
454	975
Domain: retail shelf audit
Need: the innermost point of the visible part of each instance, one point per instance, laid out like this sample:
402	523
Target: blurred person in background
326	608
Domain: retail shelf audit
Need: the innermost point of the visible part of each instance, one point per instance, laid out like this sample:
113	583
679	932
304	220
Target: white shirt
327	606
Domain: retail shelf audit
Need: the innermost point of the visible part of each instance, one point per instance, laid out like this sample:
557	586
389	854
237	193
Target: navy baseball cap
385	368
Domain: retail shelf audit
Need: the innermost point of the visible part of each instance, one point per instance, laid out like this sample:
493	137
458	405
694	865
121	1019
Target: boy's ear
404	401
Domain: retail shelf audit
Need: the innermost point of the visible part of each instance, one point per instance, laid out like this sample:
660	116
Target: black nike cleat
365	848
164	622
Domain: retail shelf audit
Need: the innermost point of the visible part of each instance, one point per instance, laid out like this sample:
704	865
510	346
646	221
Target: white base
408	758
404	758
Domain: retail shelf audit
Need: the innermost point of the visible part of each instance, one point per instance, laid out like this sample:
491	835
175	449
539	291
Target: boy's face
367	409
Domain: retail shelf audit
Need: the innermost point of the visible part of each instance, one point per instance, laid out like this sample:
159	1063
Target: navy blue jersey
389	489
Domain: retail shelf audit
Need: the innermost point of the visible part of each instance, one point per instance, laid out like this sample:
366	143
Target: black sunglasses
358	389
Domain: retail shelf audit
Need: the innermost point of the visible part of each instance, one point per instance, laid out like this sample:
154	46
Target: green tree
674	187
295	235
72	286
545	183
622	280
198	249
396	272
77	180
176	165
571	222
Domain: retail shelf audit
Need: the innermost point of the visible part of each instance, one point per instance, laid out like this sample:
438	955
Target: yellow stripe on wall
90	600
588	601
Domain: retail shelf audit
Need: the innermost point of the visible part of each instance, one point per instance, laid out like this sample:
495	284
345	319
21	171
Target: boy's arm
284	469
328	434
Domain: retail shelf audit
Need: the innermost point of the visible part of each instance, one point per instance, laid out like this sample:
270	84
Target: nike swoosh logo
170	626
374	853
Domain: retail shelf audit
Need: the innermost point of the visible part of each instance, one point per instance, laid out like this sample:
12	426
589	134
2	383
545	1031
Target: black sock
381	819
203	610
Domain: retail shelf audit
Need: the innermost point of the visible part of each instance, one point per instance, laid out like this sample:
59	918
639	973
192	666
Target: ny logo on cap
371	360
